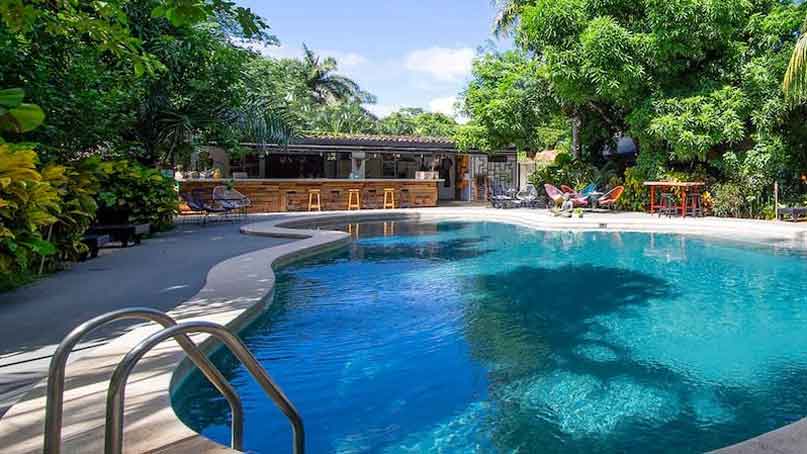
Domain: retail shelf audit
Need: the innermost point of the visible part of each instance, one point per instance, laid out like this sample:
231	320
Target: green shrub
650	166
78	187
565	170
144	194
27	206
728	199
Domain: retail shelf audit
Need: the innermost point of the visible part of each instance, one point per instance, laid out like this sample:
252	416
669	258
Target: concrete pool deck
238	289
112	281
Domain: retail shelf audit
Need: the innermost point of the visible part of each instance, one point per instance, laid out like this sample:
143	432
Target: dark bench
95	242
793	213
121	232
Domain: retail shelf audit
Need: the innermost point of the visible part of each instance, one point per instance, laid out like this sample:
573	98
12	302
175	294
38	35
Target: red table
684	186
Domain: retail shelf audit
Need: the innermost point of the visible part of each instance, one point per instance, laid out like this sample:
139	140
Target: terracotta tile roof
374	139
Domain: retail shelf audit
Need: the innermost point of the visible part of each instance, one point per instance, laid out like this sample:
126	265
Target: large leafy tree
508	13
509	98
107	23
417	122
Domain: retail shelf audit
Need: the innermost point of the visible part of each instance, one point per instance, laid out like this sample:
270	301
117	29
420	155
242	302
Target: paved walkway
160	273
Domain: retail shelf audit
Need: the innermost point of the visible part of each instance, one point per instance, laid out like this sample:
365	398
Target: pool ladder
113	430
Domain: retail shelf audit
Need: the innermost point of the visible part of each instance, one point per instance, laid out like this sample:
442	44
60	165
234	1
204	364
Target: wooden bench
793	213
95	242
122	232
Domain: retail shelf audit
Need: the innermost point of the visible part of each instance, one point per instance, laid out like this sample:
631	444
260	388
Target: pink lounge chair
579	201
557	196
554	194
611	197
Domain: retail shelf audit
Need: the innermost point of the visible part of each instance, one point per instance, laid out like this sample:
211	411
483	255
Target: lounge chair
501	197
196	202
231	199
611	197
586	192
528	197
554	194
578	199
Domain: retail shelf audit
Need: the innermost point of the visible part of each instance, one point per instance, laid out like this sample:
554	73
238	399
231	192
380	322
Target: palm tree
326	86
507	15
795	83
263	122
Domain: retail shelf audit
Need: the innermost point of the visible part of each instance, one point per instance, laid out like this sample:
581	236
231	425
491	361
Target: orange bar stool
354	199
389	198
314	200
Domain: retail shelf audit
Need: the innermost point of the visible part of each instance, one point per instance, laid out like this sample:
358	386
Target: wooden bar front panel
270	196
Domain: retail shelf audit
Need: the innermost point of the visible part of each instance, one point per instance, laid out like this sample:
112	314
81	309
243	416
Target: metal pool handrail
113	436
55	388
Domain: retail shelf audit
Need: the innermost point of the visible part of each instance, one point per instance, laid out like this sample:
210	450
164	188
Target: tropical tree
507	15
341	118
795	82
510	99
325	85
416	121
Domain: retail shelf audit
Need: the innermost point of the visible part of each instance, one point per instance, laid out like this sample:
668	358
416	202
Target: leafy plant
77	186
27	206
142	194
565	170
16	116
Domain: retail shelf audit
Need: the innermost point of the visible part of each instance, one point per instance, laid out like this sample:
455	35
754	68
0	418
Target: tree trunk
576	121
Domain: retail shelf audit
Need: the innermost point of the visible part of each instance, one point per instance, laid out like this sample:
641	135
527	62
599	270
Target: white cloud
444	105
447	105
442	63
345	59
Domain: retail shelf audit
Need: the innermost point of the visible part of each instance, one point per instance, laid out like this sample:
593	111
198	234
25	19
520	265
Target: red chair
567	189
558	197
611	197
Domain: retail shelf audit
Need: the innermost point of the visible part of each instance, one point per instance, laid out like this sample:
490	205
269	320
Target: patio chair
578	200
196	202
501	197
231	199
611	197
554	194
586	192
528	197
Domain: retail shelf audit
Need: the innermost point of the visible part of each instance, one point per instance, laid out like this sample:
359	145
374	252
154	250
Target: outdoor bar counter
278	195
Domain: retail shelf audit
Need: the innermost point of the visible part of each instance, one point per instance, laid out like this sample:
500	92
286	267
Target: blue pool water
483	337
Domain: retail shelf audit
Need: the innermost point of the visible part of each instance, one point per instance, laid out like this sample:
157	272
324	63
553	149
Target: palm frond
262	123
795	83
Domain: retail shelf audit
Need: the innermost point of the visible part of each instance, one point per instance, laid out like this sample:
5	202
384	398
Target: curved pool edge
237	291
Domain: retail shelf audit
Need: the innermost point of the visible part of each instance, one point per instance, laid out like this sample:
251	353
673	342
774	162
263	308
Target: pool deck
237	289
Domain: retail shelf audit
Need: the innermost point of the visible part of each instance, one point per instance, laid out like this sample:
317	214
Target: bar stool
351	205
314	194
668	205
694	207
389	198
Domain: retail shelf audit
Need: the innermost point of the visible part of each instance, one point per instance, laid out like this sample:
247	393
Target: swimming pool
485	337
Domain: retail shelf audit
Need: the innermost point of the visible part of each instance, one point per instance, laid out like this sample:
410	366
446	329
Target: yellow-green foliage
77	186
27	205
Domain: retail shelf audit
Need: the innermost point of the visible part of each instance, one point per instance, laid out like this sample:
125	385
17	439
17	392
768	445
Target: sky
409	53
